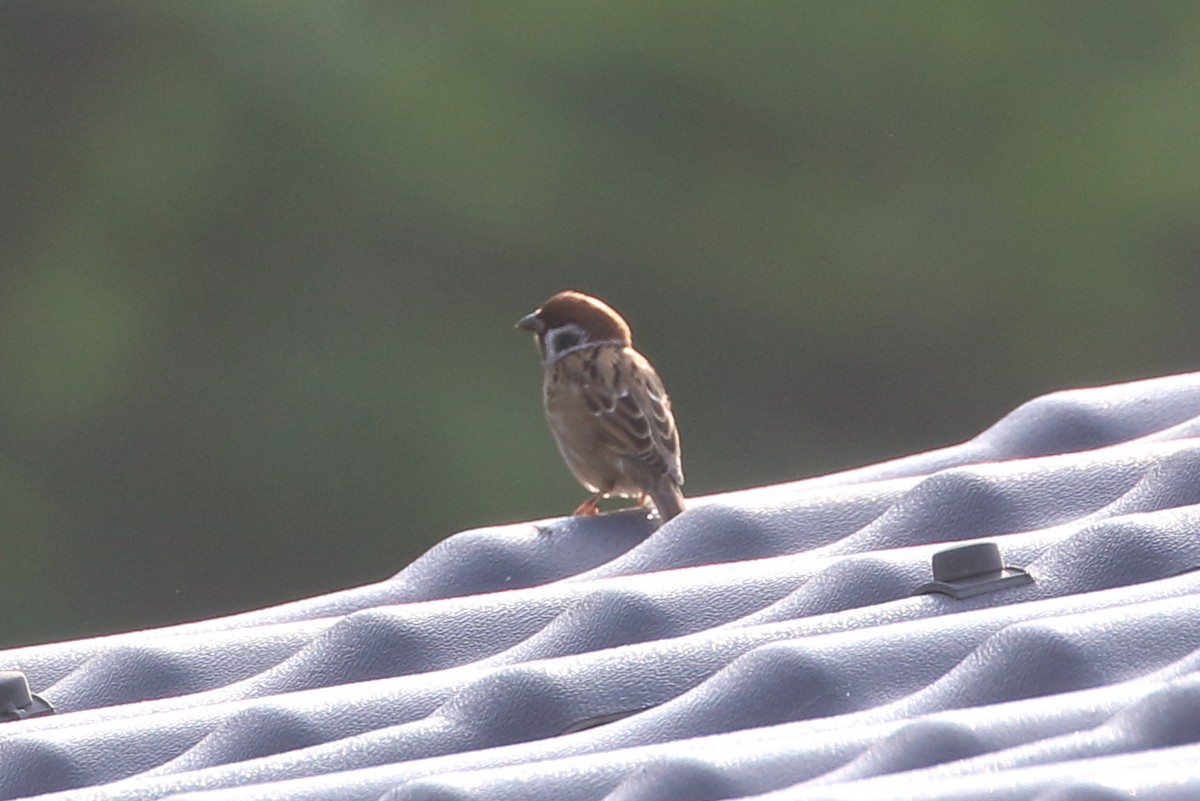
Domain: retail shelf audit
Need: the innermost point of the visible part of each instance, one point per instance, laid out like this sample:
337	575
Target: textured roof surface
765	644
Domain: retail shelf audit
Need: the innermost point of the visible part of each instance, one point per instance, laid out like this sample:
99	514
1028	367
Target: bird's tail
668	500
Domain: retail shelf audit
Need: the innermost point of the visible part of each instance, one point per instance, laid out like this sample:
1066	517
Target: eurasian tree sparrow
605	404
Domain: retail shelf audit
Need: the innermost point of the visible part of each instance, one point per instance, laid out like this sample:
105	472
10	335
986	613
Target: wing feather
634	414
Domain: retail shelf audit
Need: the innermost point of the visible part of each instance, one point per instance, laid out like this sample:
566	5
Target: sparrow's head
572	320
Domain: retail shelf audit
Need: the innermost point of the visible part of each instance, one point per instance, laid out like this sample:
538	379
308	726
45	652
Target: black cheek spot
565	340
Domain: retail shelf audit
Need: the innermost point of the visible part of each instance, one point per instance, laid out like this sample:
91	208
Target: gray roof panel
768	643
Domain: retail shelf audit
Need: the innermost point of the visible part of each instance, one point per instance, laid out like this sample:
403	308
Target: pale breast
574	428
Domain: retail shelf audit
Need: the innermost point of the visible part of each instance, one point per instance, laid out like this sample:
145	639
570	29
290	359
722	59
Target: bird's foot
587	508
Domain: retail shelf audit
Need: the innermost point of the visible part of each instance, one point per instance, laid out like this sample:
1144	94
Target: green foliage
262	260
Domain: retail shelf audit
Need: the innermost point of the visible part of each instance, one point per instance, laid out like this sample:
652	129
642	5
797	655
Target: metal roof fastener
971	570
16	701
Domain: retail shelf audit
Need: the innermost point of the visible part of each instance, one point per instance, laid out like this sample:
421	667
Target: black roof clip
971	570
16	701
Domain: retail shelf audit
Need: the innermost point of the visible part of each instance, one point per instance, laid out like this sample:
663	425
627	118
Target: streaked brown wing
634	412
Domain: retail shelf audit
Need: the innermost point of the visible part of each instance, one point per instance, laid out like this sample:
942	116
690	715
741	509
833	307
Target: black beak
531	322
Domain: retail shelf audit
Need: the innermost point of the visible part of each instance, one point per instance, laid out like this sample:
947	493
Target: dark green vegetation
262	261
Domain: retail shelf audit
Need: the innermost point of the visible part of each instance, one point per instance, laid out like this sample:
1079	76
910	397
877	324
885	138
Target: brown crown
593	315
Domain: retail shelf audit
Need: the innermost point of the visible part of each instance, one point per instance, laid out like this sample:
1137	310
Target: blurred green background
262	261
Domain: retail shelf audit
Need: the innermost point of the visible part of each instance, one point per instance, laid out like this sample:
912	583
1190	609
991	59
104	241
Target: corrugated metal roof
767	643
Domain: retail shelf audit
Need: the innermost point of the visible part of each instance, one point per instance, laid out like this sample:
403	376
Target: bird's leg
588	507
